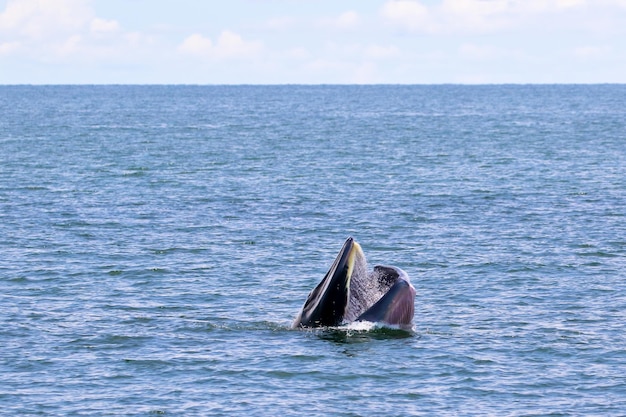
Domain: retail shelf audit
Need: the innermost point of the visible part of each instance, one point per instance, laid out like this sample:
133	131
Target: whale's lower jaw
396	307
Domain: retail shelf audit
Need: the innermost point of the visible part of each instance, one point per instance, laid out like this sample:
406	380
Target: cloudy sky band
321	41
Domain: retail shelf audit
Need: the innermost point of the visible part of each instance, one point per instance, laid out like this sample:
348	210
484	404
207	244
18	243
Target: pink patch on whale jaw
402	308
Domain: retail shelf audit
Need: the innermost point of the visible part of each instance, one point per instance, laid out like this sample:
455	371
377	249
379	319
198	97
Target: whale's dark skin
349	293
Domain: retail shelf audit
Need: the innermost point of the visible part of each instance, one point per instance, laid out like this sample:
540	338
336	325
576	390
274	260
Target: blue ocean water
156	243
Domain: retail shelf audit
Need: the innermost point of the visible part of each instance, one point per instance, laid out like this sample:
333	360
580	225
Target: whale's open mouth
349	292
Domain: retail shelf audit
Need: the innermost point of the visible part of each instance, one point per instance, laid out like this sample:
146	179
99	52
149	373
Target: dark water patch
356	335
599	254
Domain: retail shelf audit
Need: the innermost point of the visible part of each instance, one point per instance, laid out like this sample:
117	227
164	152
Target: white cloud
196	44
478	52
408	14
299	53
54	31
325	65
476	7
42	19
449	16
7	48
592	52
345	21
103	26
72	45
281	23
68	34
472	16
561	4
487	8
229	45
382	52
618	3
570	3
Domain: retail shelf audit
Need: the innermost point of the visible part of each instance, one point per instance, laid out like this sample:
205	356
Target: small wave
362	331
367	326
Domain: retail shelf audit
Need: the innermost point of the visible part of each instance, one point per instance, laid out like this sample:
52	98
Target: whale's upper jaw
326	304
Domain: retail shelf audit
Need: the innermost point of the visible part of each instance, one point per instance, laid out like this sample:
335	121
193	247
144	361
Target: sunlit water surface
157	242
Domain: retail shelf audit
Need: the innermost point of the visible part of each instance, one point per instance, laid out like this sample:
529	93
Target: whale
350	292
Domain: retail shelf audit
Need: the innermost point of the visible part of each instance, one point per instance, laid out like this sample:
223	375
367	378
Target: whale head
350	292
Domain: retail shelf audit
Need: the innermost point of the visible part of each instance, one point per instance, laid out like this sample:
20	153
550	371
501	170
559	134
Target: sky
312	41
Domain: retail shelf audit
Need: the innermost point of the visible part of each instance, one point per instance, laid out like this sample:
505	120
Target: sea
157	242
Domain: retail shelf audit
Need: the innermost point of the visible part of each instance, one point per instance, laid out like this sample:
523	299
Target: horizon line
307	84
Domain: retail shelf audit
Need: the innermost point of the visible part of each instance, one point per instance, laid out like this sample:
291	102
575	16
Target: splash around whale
350	293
